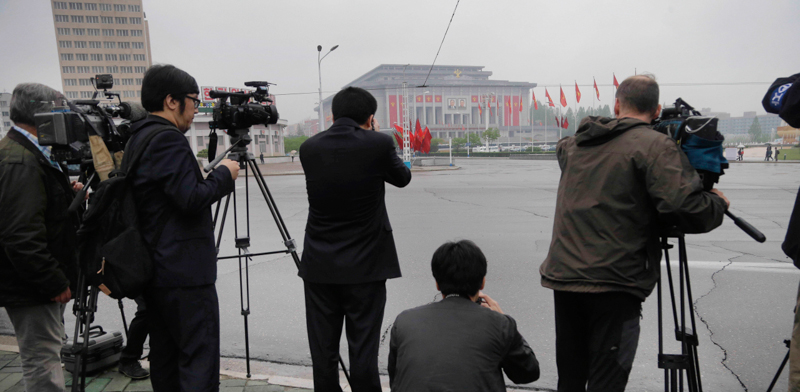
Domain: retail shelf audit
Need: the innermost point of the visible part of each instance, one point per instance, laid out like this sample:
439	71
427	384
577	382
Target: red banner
474	99
428	98
392	109
518	106
419	98
438	99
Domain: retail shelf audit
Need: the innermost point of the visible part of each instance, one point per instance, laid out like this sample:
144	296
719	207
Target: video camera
245	109
68	128
698	137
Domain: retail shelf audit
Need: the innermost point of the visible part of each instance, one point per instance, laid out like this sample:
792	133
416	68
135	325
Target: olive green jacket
37	234
621	182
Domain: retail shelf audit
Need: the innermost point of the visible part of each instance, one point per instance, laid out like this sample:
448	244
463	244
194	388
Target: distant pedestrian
262	158
769	154
777	154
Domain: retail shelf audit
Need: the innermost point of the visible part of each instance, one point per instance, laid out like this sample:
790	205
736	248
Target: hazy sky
225	43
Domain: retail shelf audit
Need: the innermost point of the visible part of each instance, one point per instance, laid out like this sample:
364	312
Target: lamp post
319	68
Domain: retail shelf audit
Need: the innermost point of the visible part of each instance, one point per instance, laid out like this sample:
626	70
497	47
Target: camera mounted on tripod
245	109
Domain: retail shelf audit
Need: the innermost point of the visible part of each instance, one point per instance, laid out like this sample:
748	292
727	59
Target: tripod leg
780	370
693	340
124	322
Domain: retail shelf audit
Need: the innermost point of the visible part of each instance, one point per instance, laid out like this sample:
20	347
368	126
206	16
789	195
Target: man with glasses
173	203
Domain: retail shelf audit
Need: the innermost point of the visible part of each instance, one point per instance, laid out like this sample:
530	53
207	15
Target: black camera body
242	110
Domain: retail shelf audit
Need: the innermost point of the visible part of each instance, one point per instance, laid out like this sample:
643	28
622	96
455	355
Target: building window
98	69
85	82
111	57
70	82
80	44
129	94
112	69
64	44
126	69
122	33
105	7
72	94
60	5
107	19
136	33
124	45
124	57
108	33
140	69
119	7
67	57
62	18
83	69
138	45
121	20
92	19
82	57
95	44
136	20
90	6
77	18
139	81
134	8
76	6
67	70
138	57
86	94
5	114
116	82
79	31
95	32
127	82
110	45
97	57
63	31
139	93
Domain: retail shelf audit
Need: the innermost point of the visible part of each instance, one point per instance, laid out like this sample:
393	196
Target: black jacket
348	236
169	187
37	235
457	345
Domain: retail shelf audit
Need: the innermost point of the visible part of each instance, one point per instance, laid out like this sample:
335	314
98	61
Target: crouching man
457	344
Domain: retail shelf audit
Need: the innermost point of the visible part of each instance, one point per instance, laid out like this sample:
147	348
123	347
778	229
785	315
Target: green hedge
505	154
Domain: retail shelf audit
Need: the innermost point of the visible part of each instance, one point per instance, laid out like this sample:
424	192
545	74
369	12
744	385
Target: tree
435	142
292	143
458	142
202	153
755	131
473	139
491	135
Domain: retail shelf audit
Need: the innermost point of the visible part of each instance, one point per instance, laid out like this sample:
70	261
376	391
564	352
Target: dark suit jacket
457	345
348	236
169	188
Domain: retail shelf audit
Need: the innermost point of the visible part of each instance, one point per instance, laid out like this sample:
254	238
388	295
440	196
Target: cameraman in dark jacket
173	203
38	239
621	182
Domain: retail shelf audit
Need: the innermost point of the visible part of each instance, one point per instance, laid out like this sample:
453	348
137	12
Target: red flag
577	92
563	97
558	120
489	106
565	123
520	103
426	141
535	105
549	100
398	135
596	89
480	110
616	83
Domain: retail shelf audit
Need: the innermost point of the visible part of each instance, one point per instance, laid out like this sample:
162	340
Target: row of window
97	69
99	45
96	32
63	5
97	19
89	94
99	57
117	82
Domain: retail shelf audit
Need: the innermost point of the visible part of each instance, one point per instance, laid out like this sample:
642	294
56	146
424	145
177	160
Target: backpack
115	257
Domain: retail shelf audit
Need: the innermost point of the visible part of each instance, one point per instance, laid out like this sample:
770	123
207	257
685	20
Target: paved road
744	291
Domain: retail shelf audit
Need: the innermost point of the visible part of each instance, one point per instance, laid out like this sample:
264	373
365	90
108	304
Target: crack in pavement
479	205
708	327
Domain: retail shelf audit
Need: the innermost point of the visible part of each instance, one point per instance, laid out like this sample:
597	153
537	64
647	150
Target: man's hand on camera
77	186
719	193
63	297
488	302
233	166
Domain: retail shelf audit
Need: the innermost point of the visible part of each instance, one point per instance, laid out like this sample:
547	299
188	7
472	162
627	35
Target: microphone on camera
132	111
783	99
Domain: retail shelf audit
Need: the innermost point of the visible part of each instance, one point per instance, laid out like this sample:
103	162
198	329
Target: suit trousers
39	331
184	338
596	339
360	307
137	333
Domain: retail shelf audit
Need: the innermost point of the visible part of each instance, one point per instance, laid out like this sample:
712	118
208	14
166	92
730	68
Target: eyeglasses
196	101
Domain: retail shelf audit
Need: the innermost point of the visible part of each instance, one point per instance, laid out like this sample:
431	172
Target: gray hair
29	99
639	93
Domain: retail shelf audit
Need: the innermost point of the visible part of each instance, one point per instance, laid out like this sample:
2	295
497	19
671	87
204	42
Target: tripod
684	365
240	138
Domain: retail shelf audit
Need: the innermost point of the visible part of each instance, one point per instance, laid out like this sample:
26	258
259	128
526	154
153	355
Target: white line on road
774	267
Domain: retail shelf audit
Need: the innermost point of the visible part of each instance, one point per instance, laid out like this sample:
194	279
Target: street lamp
319	68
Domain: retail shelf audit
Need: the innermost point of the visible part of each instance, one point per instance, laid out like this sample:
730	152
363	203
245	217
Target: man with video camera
173	203
38	261
621	183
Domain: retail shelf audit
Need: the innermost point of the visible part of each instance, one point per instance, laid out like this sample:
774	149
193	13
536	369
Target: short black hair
459	268
639	93
162	80
354	103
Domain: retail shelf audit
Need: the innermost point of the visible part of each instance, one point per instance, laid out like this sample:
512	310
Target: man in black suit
456	344
173	203
349	250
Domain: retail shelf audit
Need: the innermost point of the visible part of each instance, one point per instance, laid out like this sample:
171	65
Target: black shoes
133	370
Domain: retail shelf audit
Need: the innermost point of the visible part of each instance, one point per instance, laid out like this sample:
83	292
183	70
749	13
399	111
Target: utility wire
440	45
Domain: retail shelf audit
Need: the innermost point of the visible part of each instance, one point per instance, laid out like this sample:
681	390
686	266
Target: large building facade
5	115
102	37
453	101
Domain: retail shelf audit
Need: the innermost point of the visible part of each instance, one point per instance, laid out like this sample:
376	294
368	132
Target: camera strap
212	145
